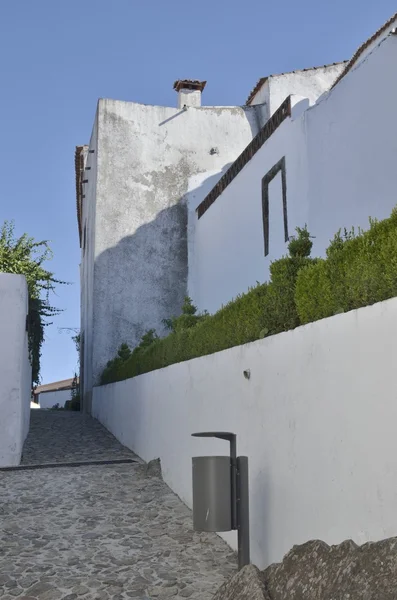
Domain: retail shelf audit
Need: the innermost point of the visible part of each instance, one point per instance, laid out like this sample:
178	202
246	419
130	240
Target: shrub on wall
266	309
360	269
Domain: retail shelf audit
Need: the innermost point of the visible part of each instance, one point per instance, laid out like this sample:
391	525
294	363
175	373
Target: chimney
189	92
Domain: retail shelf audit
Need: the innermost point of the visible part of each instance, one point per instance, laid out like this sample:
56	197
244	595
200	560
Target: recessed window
270	175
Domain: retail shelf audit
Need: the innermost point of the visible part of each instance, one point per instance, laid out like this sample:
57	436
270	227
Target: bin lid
223	435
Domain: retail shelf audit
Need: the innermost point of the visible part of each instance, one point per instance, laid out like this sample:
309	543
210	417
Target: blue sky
58	57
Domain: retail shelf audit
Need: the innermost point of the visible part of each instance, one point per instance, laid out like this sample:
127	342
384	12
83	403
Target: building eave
263	80
79	171
56	386
363	47
264	134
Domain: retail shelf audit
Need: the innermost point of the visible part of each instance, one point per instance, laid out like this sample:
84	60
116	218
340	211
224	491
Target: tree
74	402
301	244
187	319
25	256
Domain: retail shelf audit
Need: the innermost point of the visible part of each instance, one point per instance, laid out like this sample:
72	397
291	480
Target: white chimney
189	92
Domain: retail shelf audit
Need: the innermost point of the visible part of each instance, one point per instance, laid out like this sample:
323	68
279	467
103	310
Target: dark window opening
270	175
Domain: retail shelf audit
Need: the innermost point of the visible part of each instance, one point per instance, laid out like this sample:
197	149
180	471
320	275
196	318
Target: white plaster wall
228	240
49	399
262	95
340	167
15	369
311	83
87	272
317	420
145	157
352	148
189	98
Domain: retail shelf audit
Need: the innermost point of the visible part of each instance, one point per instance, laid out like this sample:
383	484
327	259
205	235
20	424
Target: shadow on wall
142	280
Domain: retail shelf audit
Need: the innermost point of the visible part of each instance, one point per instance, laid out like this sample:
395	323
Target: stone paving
98	532
65	436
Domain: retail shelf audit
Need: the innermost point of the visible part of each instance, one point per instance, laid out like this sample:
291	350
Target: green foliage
266	309
75	391
74	403
237	323
113	365
280	312
25	256
124	352
146	340
300	245
77	341
187	319
360	269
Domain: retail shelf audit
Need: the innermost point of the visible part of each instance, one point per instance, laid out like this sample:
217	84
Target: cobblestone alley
108	531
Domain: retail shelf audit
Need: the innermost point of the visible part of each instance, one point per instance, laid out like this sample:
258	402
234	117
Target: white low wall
49	399
15	369
317	419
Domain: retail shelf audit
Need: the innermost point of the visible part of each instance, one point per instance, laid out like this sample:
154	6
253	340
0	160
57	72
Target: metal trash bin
212	498
220	493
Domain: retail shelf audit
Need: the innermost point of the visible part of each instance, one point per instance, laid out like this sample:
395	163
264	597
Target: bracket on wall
85	181
91	151
270	175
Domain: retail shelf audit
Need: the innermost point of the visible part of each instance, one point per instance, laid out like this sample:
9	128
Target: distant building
50	394
199	199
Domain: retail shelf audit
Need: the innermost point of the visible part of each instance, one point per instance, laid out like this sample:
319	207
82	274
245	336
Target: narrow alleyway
108	531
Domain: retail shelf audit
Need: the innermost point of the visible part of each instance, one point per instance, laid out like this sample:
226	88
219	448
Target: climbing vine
25	256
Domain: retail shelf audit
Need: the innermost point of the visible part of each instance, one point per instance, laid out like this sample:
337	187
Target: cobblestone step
57	465
108	530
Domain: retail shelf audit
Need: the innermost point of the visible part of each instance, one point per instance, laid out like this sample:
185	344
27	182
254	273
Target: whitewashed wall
134	266
15	369
340	167
49	399
311	83
352	149
317	420
227	245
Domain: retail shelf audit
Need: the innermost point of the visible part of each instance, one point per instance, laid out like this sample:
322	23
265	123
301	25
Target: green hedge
238	322
359	270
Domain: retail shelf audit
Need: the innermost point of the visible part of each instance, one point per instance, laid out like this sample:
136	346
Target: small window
270	175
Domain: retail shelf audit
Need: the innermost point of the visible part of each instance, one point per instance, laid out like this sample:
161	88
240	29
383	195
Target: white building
52	394
199	200
15	368
330	165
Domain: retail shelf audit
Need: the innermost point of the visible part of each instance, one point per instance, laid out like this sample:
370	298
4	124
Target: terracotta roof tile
64	384
189	84
256	89
363	47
